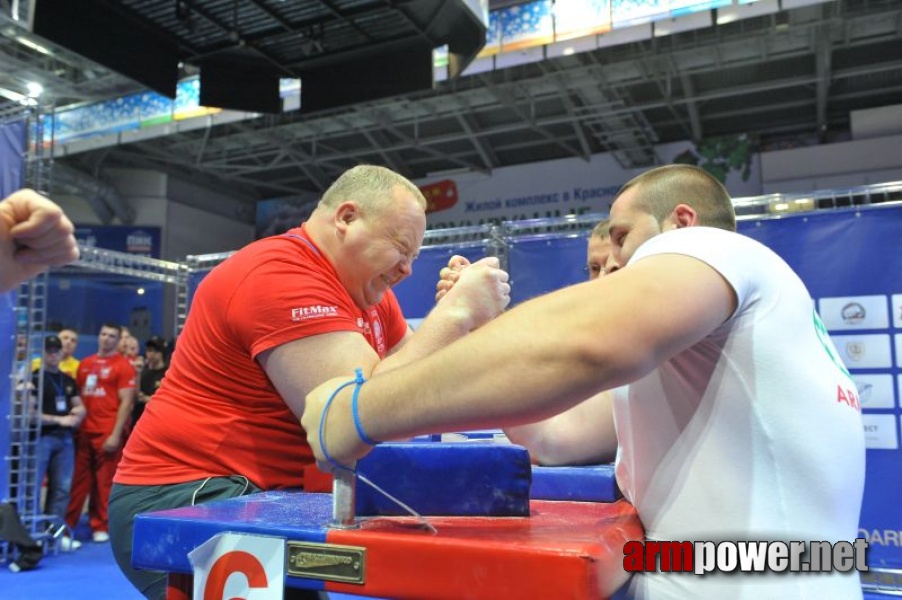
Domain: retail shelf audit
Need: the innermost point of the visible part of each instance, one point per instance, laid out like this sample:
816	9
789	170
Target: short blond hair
602	230
370	186
663	188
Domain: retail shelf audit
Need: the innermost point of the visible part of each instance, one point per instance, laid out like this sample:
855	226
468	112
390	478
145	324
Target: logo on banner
864	391
139	242
856	350
853	313
440	195
231	565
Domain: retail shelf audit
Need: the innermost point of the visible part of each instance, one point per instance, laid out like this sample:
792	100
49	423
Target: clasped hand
480	289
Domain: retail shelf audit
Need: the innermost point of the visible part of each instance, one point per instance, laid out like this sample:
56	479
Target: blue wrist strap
358	383
322	423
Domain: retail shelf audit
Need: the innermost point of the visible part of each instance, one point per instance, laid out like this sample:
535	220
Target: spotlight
35	89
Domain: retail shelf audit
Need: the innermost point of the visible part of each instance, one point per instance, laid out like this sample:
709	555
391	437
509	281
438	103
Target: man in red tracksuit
106	381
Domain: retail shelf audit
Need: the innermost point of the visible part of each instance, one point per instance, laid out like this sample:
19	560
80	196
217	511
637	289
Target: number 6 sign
233	566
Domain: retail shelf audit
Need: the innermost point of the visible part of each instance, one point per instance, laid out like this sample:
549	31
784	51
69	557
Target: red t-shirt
216	412
99	380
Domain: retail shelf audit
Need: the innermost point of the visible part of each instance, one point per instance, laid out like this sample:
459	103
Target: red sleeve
287	298
390	313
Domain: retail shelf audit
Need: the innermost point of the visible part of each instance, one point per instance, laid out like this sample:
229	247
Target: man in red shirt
106	382
269	324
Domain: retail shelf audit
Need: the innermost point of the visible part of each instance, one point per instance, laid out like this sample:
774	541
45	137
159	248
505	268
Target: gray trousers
126	501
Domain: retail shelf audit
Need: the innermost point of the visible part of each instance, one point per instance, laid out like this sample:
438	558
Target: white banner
236	565
552	189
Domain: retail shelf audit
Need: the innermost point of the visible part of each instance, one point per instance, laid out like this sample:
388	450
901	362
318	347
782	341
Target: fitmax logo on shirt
313	312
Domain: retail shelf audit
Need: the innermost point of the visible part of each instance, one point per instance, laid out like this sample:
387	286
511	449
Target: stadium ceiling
786	78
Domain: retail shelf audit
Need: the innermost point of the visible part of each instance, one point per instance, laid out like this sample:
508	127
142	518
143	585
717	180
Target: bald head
369	186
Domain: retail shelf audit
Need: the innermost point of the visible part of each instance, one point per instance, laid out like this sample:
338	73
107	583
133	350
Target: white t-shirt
744	436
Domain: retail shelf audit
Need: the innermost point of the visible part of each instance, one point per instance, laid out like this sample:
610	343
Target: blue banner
416	294
140	241
12	155
541	264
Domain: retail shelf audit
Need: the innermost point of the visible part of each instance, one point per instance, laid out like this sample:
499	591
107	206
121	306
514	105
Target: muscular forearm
546	355
438	329
523	379
499	375
584	434
539	359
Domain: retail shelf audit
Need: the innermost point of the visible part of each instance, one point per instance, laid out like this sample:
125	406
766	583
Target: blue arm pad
592	483
469	479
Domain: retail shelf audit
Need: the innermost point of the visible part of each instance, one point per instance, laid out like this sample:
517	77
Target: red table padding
563	550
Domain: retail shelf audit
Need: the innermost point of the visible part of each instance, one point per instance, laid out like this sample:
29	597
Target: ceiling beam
695	120
488	156
823	55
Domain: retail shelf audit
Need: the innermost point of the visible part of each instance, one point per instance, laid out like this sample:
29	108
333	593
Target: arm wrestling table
562	549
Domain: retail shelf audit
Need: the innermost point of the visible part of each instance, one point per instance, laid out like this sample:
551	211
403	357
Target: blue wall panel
416	294
545	263
86	302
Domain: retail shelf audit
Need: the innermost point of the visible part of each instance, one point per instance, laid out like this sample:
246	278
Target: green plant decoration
720	155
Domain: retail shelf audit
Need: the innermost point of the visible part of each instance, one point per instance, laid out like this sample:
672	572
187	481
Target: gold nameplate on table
331	562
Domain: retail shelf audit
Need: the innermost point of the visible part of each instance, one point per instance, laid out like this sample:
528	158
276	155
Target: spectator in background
126	333
598	250
68	364
154	368
130	348
62	412
106	382
34	234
